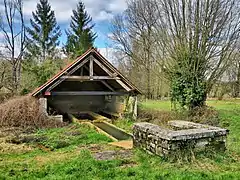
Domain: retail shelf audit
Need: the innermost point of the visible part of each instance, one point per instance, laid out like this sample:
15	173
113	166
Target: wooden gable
90	74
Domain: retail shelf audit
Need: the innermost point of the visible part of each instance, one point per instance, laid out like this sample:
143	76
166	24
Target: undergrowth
25	112
57	138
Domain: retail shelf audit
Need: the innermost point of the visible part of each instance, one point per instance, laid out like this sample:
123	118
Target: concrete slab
123	144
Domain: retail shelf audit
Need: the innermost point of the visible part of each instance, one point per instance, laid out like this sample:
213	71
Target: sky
101	11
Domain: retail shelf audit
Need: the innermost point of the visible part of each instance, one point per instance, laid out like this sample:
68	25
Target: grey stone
161	141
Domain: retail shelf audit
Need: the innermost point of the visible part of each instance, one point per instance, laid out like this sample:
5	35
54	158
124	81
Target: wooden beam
84	93
91	66
107	85
87	78
103	67
112	75
78	66
69	73
102	81
123	85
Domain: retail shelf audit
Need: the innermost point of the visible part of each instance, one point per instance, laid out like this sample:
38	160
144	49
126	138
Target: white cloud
99	10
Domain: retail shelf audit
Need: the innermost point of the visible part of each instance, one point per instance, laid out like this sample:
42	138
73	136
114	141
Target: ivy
188	90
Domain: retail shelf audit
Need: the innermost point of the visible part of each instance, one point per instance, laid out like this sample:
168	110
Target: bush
203	115
4	97
158	117
24	112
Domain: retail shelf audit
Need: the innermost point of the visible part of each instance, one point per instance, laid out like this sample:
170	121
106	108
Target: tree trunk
14	79
148	83
16	74
237	85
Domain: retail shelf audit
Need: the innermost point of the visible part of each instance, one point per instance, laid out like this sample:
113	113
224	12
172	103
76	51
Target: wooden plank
123	85
107	85
103	67
112	75
82	78
91	93
91	66
102	81
69	73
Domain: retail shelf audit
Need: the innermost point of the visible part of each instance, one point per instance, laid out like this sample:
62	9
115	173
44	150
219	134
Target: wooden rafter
88	78
103	67
112	75
123	85
102	81
69	73
82	93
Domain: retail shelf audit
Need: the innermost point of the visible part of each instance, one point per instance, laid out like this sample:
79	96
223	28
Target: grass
156	105
75	161
125	124
72	135
49	146
141	166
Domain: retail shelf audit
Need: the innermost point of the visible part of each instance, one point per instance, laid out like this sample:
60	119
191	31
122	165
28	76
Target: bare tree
191	41
13	28
233	75
132	33
2	73
198	38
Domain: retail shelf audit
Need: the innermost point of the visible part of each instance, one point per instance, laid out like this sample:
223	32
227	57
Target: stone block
58	118
163	141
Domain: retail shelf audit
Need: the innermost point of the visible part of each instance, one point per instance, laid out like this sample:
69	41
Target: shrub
4	97
204	115
24	112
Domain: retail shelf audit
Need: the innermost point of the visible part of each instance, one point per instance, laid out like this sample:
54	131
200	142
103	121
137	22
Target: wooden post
135	102
91	67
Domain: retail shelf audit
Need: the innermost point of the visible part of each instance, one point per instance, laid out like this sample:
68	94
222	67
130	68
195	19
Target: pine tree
44	34
80	37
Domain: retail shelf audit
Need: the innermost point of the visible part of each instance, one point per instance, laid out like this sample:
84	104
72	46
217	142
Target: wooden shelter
90	83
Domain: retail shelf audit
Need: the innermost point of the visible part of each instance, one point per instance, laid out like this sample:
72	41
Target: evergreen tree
44	34
80	37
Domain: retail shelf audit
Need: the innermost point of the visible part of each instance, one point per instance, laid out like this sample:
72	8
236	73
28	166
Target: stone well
182	136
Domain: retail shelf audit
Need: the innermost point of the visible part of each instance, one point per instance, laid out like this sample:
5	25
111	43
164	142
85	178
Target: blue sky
101	11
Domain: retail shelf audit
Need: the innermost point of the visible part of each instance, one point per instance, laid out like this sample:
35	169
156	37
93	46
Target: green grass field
73	159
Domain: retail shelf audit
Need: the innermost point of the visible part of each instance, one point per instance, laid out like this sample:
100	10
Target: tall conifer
43	36
80	36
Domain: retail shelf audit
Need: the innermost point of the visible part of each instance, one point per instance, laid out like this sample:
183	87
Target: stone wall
191	136
43	108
